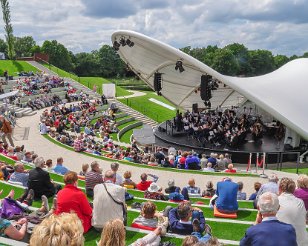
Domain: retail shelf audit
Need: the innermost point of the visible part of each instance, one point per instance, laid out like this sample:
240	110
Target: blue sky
83	25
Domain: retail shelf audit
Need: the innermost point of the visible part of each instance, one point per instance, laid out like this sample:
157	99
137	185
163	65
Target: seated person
176	196
241	195
192	162
171	187
85	168
127	180
181	218
20	175
191	190
57	230
209	168
230	169
257	186
144	184
7	229
59	168
225	199
210	191
70	198
154	192
148	216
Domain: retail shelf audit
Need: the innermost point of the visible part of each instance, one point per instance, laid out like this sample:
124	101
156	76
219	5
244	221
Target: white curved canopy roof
282	93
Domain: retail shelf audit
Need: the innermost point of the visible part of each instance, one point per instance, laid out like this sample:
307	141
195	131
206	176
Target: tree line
234	59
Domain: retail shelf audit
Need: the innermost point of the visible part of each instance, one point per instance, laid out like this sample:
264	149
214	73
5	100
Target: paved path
73	160
135	94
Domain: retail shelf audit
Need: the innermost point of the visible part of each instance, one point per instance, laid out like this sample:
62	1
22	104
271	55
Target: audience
241	195
209	168
59	168
171	187
268	230
292	210
257	186
144	184
115	167
230	169
210	191
191	190
61	230
92	178
302	189
128	182
154	192
20	175
108	197
70	198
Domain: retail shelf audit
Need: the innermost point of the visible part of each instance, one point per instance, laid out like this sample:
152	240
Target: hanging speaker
205	90
157	82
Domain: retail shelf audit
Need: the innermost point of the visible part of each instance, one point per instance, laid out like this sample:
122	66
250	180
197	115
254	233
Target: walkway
135	94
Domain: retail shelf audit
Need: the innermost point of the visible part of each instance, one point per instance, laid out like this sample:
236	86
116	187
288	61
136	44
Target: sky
280	26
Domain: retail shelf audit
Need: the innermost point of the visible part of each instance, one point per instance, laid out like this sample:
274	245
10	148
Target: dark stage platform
165	136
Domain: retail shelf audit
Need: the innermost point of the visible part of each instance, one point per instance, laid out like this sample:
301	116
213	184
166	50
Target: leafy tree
87	64
240	53
280	60
58	55
8	28
3	47
35	49
225	62
110	62
24	45
261	61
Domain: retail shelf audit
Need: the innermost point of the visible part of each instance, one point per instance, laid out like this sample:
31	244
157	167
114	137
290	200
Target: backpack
10	208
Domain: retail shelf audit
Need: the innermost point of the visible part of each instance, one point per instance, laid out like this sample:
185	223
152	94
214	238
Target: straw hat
153	187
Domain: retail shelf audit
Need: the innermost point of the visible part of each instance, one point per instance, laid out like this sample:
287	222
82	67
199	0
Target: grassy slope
15	66
151	109
126	136
293	170
88	81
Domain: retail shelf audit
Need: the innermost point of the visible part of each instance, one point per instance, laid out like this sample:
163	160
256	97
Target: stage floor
182	141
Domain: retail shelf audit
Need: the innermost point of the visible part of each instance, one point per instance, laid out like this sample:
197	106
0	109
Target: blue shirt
60	169
227	196
20	177
190	160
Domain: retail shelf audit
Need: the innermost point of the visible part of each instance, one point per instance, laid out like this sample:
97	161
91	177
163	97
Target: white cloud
83	25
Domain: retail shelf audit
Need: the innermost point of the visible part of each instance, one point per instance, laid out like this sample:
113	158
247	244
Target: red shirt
70	198
230	171
144	185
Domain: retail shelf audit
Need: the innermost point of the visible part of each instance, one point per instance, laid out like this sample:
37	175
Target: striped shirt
93	178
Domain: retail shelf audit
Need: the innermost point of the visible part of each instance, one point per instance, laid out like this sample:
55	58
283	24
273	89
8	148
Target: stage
165	136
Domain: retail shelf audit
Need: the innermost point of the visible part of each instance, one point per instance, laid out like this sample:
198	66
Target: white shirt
292	211
104	208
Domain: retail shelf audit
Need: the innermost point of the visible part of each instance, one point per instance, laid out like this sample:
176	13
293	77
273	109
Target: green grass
148	167
15	66
114	134
88	81
293	170
126	136
151	109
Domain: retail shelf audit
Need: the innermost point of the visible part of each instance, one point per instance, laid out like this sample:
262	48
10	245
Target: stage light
116	45
122	41
179	66
130	43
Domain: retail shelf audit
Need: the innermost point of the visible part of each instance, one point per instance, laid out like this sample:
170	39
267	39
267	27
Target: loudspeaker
157	82
195	107
205	89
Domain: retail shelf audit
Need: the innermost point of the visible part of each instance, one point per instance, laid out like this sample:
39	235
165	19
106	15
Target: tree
87	64
23	46
3	47
110	63
8	28
240	53
261	61
280	60
58	55
35	49
225	62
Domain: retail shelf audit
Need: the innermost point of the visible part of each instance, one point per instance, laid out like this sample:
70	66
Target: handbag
10	208
119	203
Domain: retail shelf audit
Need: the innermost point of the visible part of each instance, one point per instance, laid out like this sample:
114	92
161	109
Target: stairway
137	115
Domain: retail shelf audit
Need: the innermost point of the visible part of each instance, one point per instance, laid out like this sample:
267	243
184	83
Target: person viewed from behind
271	186
154	192
128	182
40	182
268	230
226	196
115	167
8	229
171	187
292	210
302	189
257	186
144	184
70	198
108	197
241	195
93	178
210	191
191	190
59	168
6	130
61	230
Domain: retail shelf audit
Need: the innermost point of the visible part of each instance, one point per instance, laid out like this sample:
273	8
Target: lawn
151	109
13	67
126	136
293	170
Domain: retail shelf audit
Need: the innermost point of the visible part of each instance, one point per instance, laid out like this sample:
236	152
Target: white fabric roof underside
282	93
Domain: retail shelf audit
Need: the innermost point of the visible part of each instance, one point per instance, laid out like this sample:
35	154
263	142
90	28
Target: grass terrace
149	108
14	67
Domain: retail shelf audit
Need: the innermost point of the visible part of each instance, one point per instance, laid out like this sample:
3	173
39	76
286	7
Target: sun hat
153	187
